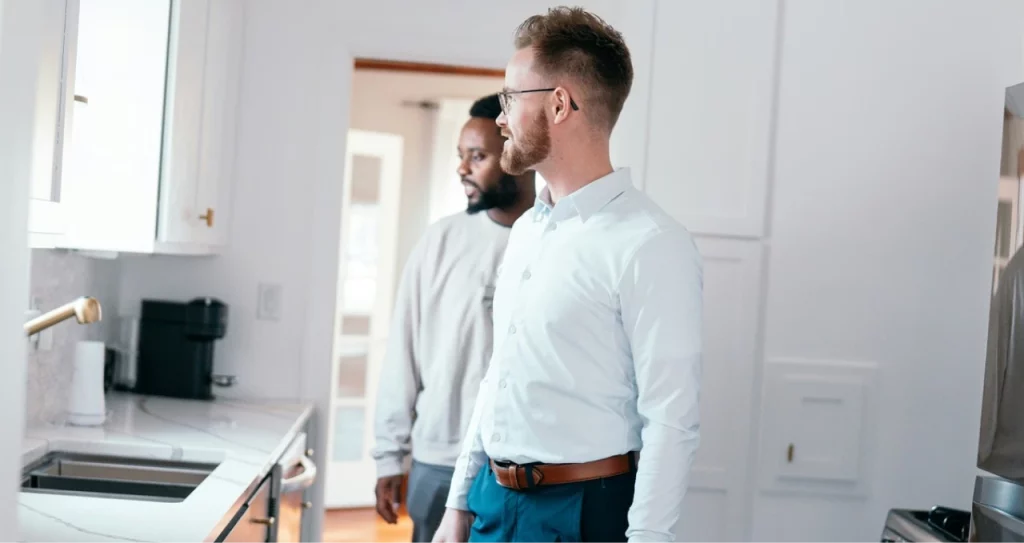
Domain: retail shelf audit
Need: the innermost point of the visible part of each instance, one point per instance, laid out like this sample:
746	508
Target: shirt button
552	227
512	329
526	274
496	437
503	384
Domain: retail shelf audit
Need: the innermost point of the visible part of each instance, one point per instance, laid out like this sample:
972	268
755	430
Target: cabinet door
179	173
710	113
111	172
257	520
221	89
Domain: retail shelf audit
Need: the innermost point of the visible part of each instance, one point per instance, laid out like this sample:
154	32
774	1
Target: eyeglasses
505	98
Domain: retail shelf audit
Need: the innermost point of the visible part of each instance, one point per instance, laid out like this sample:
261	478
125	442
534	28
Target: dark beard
501	196
532	147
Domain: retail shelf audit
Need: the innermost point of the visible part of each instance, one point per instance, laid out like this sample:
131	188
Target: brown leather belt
524	477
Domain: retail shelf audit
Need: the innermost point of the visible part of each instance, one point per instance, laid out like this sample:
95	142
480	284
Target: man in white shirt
597	319
441	336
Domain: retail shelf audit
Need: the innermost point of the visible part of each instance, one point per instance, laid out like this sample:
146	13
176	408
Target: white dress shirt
597	347
439	344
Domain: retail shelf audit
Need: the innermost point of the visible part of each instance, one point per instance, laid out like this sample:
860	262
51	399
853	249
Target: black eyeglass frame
503	98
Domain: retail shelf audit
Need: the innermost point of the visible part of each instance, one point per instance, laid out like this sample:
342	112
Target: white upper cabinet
149	159
712	91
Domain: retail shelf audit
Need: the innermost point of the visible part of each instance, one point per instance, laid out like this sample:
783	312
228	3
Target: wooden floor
359	525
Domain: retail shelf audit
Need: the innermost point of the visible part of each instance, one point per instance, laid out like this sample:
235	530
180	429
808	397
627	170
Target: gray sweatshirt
439	344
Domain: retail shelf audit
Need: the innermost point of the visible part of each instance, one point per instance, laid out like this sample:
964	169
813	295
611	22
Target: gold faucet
85	310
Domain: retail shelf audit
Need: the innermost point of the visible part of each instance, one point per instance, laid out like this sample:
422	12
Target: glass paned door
369	239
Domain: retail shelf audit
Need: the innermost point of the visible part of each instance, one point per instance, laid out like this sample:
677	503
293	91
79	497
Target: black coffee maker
175	350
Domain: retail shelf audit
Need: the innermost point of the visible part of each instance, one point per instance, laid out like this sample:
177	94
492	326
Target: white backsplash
57	278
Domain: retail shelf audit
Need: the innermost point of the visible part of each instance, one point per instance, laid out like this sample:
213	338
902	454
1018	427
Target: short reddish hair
574	43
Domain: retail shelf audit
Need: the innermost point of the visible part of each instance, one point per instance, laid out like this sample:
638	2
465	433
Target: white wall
286	208
287	197
881	209
885	178
19	29
377	98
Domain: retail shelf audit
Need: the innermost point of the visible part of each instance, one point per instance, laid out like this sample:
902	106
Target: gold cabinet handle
208	217
82	99
264	521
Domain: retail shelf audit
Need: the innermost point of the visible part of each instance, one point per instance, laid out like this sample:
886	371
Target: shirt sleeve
396	404
661	297
472	457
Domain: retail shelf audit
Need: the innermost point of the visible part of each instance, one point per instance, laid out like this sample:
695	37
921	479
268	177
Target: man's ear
561	106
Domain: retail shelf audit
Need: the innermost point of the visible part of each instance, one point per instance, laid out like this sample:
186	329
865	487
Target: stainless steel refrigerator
997	511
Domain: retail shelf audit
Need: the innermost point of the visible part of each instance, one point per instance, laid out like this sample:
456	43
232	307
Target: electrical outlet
268	302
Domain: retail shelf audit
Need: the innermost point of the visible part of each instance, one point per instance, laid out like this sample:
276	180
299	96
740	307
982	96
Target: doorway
399	178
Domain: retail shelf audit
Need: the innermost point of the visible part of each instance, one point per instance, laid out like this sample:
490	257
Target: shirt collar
586	201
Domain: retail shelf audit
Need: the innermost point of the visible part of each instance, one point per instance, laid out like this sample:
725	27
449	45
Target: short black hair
488	107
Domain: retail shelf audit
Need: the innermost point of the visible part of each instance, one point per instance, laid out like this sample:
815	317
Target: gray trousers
428	492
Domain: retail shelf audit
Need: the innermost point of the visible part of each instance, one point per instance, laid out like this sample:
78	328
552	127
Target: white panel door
712	92
716	506
369	241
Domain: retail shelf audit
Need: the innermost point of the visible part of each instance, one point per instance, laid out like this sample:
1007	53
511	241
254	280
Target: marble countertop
245	437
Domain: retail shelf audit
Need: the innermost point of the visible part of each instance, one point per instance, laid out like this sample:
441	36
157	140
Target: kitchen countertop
245	437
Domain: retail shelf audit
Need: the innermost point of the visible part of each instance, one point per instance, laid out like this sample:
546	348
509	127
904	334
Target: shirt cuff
389	466
458	498
644	536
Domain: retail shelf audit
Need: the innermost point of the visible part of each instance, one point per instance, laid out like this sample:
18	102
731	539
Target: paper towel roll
87	406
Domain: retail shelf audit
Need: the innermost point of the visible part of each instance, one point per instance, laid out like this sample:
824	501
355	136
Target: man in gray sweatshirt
441	336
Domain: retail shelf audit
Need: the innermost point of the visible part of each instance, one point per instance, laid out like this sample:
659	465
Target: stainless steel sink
71	473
